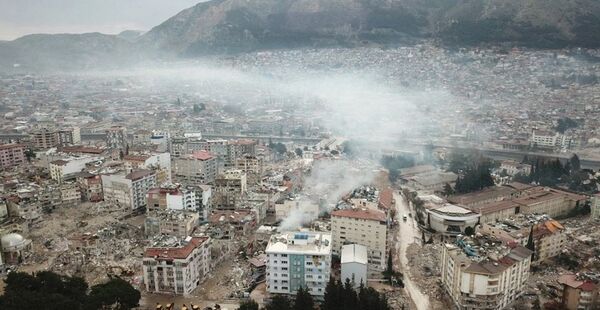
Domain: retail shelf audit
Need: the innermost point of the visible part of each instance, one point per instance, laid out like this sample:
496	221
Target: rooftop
138	174
307	243
202	155
360	213
354	253
180	251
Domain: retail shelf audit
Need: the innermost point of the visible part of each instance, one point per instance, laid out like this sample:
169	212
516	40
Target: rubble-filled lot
425	271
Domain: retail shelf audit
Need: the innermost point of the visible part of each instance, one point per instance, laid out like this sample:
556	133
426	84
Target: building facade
361	226
12	155
177	269
298	259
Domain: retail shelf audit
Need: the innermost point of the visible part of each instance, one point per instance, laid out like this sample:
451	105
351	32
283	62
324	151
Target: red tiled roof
202	155
386	198
175	253
365	214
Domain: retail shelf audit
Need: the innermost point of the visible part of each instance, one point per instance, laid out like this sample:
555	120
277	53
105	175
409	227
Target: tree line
48	290
338	296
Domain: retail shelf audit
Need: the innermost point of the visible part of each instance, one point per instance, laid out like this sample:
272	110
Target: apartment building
179	224
553	202
229	190
90	186
298	259
579	292
548	139
361	226
196	169
116	137
159	162
484	275
61	168
12	155
44	138
176	268
128	190
171	198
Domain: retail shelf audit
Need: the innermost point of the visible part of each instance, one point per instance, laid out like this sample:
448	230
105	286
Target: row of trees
394	163
338	296
52	291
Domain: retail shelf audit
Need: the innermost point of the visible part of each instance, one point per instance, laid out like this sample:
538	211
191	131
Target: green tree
304	300
248	305
575	163
333	296
389	269
349	298
279	302
299	152
116	293
29	154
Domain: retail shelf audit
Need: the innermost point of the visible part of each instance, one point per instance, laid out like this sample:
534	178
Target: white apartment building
361	226
62	167
116	137
128	191
298	259
549	139
477	280
196	169
159	162
177	269
172	198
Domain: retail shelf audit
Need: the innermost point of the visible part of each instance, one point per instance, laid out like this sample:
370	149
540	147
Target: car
404	217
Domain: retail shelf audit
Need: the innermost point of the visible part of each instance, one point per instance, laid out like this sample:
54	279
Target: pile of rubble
426	273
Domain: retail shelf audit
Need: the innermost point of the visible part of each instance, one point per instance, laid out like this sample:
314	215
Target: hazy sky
21	17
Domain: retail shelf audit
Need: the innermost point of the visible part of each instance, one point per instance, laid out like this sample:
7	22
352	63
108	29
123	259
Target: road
407	233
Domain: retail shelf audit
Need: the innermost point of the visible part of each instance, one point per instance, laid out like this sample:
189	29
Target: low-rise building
452	220
176	268
354	263
171	198
61	168
512	167
298	259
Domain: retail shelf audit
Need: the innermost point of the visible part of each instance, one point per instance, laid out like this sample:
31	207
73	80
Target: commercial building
354	263
451	220
483	274
128	190
12	155
196	169
361	226
176	268
579	292
298	259
553	202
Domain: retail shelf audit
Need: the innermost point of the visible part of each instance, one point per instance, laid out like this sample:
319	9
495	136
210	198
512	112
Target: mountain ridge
233	26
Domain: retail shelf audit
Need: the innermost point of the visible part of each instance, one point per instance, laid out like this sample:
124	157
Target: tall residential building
61	168
196	169
230	188
116	137
44	138
12	155
128	191
361	226
179	224
69	136
540	138
159	162
298	259
579	292
171	198
483	274
177	268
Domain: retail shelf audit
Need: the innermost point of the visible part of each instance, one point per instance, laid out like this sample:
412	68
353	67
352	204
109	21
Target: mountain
229	26
241	25
41	52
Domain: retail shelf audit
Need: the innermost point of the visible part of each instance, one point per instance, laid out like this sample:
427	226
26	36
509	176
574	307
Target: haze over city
284	154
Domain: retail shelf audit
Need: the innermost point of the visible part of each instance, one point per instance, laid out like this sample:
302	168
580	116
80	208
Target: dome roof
11	240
